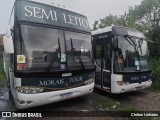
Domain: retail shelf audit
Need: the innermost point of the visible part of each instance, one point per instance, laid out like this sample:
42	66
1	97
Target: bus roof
119	30
103	30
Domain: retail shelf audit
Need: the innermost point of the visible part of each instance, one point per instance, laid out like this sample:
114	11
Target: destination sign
51	15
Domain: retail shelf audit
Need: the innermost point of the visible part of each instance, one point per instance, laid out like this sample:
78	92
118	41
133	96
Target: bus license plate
65	96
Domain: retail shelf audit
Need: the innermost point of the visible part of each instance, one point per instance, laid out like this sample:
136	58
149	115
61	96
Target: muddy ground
143	100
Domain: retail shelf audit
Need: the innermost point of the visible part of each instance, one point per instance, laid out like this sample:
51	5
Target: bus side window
98	52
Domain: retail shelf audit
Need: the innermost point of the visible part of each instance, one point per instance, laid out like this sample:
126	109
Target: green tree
95	25
144	17
148	14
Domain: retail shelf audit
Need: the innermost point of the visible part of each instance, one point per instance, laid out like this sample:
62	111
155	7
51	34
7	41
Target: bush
155	67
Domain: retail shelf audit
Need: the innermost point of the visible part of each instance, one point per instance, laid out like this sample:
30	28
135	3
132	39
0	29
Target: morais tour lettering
79	79
51	82
59	81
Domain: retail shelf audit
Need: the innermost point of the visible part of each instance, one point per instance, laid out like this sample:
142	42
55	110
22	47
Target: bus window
107	56
130	55
98	51
81	44
37	45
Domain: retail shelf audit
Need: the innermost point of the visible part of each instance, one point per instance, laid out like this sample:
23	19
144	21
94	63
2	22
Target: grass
109	103
1	74
155	67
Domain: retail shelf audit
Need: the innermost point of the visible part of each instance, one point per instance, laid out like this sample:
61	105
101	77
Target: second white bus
121	60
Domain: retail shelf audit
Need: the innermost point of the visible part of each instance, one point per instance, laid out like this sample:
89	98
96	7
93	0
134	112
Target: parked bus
47	54
121	60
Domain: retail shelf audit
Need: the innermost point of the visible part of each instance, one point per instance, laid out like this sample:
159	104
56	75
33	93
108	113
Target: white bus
121	60
47	54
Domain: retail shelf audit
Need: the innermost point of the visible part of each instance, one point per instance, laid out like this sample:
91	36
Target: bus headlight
87	82
29	90
121	83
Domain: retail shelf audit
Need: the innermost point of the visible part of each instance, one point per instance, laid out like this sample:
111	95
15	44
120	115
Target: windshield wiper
59	45
54	57
74	51
130	40
140	42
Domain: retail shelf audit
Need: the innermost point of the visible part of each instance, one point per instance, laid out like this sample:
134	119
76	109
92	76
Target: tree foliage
144	17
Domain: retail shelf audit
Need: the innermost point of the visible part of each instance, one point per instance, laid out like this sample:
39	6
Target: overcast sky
93	9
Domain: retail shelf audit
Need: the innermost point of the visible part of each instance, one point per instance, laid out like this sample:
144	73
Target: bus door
103	63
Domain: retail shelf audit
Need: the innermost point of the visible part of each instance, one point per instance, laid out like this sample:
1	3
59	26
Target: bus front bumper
23	101
130	87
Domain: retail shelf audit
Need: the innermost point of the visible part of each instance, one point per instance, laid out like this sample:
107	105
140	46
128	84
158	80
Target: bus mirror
8	44
115	43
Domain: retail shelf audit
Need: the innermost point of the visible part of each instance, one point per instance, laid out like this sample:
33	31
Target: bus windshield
131	53
46	49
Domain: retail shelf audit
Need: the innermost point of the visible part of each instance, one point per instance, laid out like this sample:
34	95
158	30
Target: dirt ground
144	100
98	101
